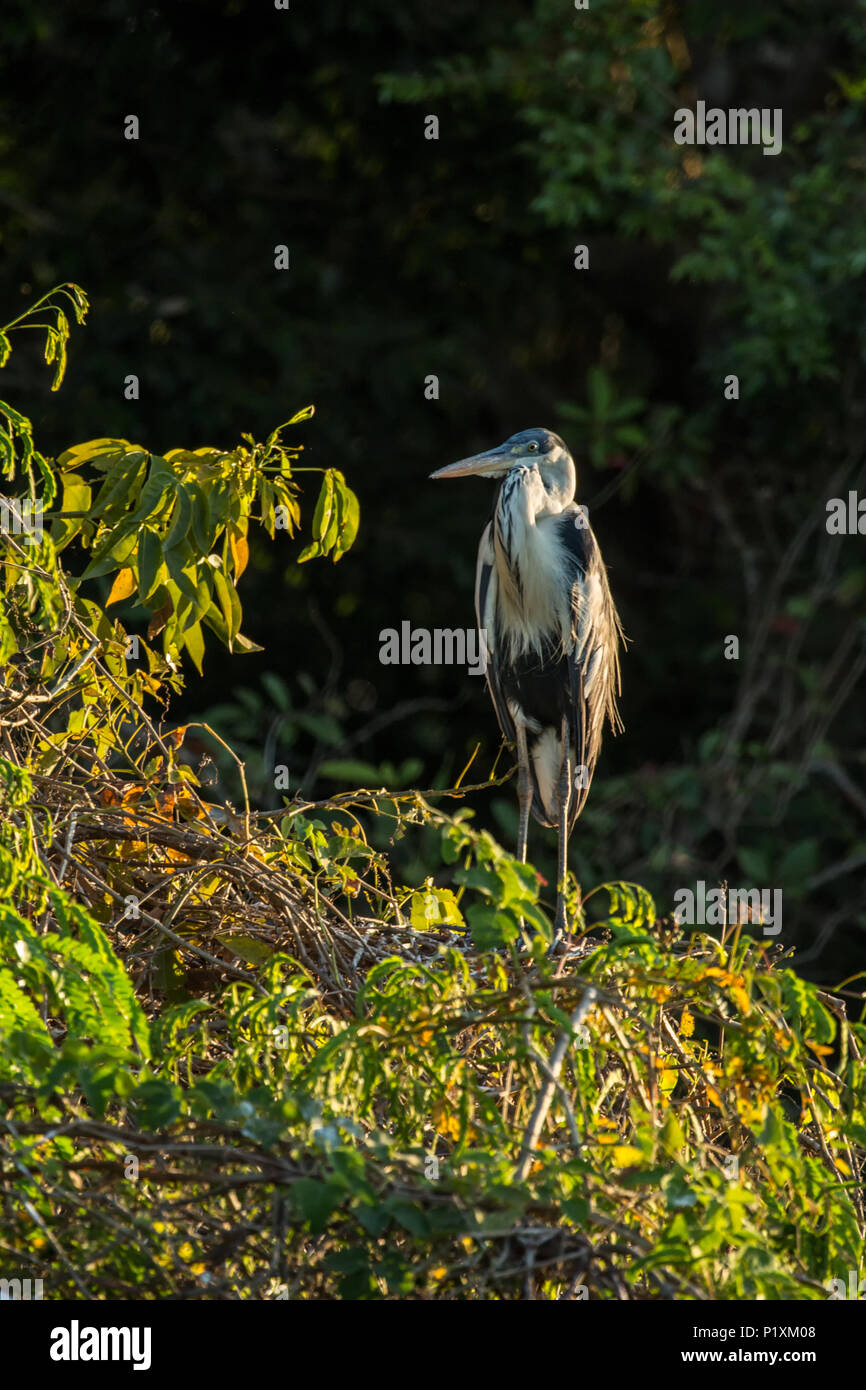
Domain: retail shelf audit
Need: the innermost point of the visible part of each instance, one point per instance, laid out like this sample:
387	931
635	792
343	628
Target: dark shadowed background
454	257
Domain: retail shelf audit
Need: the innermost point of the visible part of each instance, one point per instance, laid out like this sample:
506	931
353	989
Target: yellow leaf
626	1156
667	1081
713	1097
240	553
123	586
446	1120
687	1023
130	848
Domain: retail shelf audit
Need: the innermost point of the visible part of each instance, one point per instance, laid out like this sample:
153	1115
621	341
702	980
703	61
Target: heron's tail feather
545	760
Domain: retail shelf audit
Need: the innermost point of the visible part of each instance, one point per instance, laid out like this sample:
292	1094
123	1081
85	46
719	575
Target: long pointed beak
491	461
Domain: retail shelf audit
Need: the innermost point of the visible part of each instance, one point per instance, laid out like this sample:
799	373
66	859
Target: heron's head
538	449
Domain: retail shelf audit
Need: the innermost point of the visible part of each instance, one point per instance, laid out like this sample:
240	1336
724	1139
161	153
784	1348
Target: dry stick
197	724
222	854
66	757
125	695
203	846
67	848
506	1094
542	1062
139	710
69	693
172	936
646	1092
348	798
545	1095
73	672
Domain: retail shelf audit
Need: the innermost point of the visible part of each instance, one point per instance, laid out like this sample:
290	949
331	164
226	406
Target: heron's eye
532	448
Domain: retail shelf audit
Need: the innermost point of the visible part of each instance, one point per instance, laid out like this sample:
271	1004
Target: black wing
593	657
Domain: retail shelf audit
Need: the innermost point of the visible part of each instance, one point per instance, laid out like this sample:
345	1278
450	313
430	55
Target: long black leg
560	926
524	790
